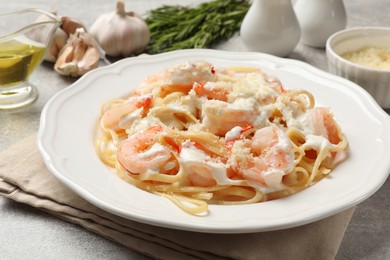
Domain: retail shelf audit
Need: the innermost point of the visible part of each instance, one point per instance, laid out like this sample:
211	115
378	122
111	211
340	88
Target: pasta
201	135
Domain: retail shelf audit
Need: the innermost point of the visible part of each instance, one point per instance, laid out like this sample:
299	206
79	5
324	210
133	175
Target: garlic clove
89	39
79	49
57	43
89	60
69	25
64	65
78	56
121	33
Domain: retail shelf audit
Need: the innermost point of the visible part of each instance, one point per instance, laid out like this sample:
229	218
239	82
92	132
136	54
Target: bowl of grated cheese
362	55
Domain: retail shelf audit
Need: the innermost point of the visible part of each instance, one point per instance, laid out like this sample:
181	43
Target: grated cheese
375	58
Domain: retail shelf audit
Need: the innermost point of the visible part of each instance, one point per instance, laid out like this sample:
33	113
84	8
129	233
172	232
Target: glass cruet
24	38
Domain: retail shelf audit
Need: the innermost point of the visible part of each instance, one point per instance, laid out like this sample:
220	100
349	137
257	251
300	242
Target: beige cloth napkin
24	178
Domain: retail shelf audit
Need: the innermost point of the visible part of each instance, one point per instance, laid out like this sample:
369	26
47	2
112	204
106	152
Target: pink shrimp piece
220	117
198	166
324	124
181	77
217	93
112	117
139	153
201	176
273	157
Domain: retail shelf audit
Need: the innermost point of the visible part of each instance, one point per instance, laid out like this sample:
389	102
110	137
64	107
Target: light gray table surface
27	233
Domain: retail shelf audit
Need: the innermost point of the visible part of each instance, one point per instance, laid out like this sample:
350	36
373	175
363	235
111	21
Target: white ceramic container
319	19
271	26
375	81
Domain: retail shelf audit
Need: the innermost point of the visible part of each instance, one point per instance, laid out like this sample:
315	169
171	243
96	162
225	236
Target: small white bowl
375	81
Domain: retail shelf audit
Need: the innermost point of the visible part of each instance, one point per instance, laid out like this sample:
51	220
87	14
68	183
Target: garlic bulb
80	55
121	33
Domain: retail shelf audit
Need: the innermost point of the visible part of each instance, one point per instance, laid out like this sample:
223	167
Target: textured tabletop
28	233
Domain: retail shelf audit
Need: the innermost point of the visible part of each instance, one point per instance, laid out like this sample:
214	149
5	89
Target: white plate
66	142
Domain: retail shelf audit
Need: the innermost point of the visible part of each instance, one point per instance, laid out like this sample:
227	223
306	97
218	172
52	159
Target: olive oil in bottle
18	59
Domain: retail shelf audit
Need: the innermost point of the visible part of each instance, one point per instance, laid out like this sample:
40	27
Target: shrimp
325	125
201	175
141	152
196	165
200	169
179	78
220	117
270	156
212	90
112	118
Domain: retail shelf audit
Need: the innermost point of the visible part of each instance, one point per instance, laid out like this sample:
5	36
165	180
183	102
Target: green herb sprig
180	27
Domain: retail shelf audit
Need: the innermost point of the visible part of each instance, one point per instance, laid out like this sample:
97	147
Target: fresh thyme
179	27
